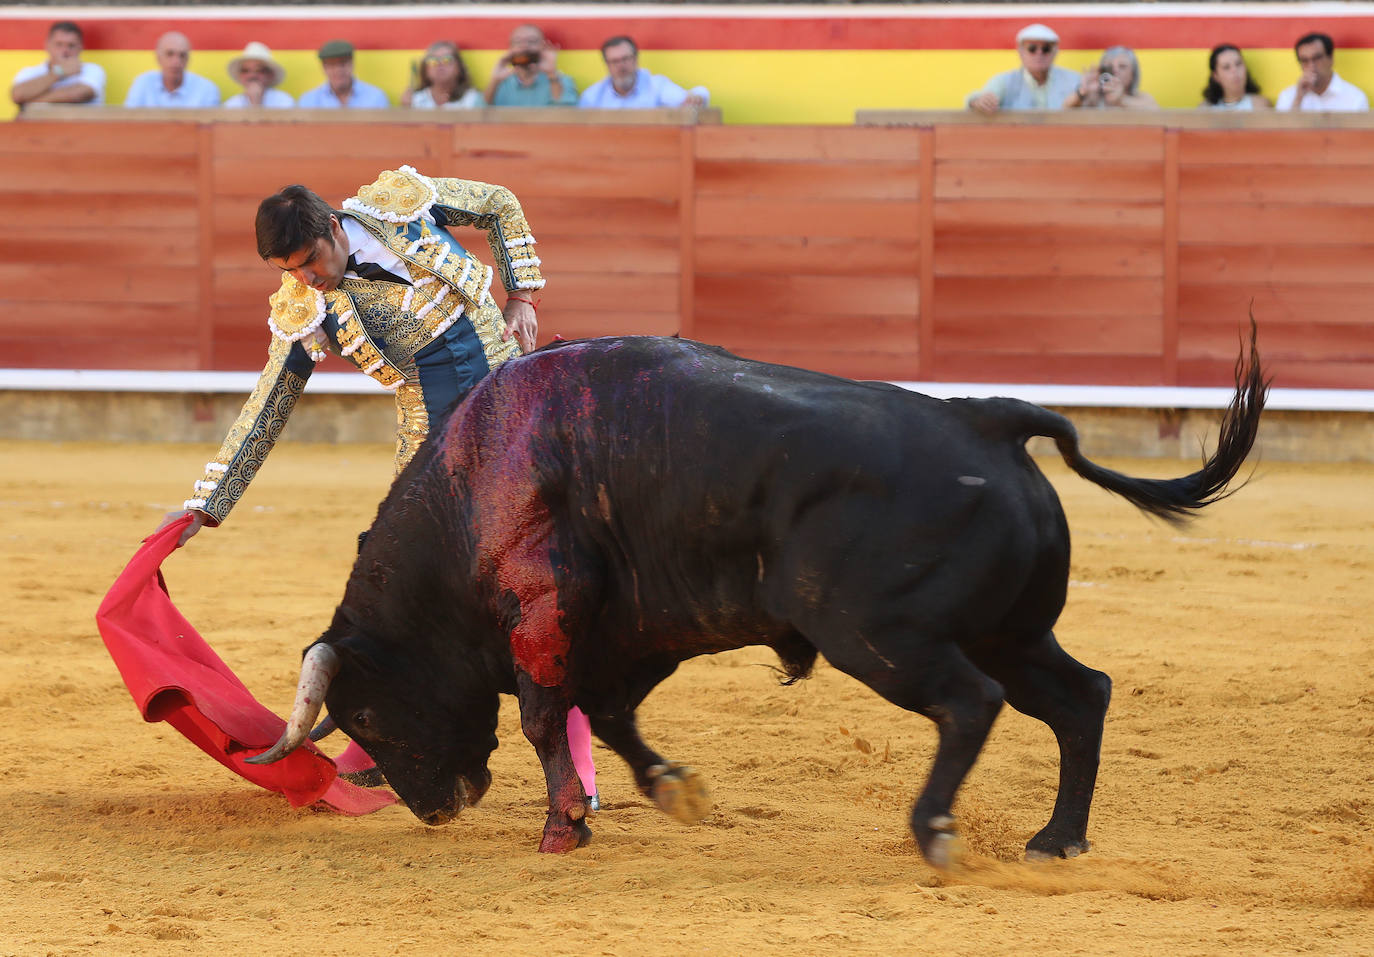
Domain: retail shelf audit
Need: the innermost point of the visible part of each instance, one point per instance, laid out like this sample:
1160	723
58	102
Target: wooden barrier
1090	250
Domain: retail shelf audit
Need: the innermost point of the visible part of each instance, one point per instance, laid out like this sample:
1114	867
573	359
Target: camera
1104	78
523	58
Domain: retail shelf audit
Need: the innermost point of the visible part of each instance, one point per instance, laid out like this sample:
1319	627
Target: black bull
599	511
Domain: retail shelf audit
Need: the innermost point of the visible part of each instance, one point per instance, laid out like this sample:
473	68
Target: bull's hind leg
1045	682
678	790
944	686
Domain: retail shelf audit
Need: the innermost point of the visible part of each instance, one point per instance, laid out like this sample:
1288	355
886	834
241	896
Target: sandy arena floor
1234	811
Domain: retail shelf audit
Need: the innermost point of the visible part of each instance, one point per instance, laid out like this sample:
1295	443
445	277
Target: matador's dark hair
289	220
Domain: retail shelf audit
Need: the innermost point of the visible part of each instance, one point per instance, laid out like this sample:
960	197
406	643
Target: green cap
336	48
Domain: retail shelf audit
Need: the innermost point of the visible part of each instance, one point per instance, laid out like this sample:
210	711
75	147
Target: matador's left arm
494	209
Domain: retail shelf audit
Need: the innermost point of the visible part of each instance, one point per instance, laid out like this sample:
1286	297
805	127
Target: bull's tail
1174	500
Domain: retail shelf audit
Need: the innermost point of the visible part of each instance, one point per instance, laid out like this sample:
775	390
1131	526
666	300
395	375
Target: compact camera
523	58
1104	78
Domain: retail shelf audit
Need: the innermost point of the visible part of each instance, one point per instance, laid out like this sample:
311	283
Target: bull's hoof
939	842
679	791
1050	850
1055	842
562	836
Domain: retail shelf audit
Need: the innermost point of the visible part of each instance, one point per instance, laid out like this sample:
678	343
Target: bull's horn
324	729
319	667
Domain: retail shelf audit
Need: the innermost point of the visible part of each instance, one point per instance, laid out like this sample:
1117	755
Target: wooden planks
1111	254
1048	254
807	246
1281	223
99	267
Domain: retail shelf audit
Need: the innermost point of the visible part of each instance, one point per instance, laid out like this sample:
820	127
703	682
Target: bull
599	511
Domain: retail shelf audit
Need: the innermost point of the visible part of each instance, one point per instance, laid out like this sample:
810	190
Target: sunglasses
444	60
1039	47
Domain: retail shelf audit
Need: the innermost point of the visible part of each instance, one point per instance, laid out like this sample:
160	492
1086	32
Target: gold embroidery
252	435
296	309
489	324
412	423
355	341
496	210
401	195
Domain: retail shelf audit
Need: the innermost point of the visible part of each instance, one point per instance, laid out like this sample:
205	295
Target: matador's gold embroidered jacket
430	341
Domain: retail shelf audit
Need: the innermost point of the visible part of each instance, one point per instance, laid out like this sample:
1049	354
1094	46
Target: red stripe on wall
707	33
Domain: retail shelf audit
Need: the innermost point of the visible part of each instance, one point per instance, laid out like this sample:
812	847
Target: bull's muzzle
318	668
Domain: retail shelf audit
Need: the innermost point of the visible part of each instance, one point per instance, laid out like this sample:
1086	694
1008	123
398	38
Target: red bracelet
534	303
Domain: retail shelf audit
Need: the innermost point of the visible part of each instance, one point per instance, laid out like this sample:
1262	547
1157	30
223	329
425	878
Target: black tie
373	272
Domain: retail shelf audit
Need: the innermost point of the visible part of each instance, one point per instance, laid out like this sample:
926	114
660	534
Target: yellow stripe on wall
764	86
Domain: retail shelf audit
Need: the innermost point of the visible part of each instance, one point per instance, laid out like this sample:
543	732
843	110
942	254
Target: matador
384	284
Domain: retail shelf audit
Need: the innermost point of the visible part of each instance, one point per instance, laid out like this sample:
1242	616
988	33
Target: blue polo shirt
195	91
365	96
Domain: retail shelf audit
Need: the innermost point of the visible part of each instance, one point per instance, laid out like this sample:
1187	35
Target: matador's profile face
319	264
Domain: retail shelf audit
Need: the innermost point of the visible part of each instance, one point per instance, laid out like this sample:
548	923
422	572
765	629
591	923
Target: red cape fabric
174	676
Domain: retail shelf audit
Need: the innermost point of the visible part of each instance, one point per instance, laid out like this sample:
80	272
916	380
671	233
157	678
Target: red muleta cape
174	676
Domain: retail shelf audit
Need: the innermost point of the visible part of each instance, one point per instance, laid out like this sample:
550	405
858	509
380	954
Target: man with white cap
259	74
1037	85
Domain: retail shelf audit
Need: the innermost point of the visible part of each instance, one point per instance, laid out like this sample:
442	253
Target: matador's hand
521	323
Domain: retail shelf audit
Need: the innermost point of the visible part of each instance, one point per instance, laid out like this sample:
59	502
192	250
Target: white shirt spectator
1339	96
650	90
471	100
92	74
272	99
148	90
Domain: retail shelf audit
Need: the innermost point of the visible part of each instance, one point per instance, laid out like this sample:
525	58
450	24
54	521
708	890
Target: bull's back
697	474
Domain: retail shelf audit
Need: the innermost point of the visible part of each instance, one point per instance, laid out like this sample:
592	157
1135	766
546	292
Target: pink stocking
353	758
580	744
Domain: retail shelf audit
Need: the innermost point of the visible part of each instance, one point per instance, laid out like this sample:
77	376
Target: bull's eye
363	719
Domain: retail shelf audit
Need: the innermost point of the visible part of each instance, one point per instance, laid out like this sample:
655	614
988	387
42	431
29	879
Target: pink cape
174	676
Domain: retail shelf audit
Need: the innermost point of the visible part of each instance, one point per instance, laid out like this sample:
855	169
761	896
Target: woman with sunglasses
443	81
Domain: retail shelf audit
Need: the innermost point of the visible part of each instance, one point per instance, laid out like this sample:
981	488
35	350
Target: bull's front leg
544	719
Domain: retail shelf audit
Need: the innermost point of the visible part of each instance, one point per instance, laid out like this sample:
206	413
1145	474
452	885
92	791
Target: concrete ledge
1287	434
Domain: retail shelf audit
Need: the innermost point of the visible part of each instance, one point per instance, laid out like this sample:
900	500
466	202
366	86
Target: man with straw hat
259	74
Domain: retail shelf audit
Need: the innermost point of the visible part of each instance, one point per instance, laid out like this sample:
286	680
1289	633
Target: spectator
259	75
170	85
63	78
1320	87
1037	85
627	86
528	74
1114	83
443	81
341	89
1230	85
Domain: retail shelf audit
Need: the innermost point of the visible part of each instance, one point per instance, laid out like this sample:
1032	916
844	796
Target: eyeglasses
1039	47
442	60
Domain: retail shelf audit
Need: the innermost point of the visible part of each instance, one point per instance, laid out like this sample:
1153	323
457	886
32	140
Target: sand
1233	810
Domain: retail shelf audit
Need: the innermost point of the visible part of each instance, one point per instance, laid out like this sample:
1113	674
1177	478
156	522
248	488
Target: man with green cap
341	89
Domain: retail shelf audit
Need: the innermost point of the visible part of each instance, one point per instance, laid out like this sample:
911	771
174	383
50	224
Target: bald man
171	85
